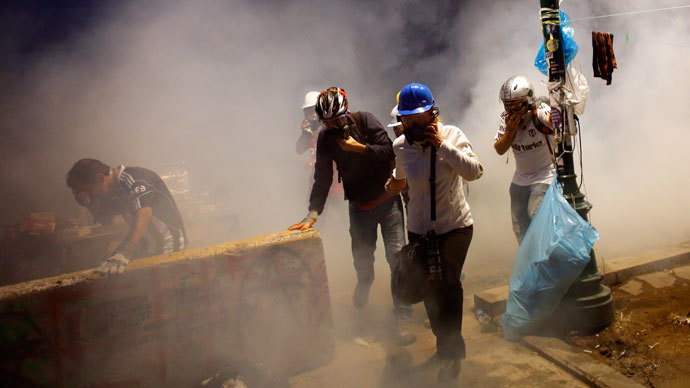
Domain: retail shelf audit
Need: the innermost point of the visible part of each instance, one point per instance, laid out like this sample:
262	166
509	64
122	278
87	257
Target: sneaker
361	295
405	334
449	370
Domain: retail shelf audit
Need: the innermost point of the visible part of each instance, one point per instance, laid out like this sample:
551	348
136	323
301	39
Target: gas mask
312	119
415	125
339	126
415	134
523	108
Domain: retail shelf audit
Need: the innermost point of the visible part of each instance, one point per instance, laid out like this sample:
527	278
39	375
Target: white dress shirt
455	160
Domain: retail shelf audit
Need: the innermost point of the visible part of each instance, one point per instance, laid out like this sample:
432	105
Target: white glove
114	264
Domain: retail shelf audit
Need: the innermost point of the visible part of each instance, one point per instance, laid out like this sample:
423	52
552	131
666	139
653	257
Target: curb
582	366
493	300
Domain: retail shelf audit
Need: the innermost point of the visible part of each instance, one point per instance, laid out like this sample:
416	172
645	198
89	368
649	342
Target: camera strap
432	249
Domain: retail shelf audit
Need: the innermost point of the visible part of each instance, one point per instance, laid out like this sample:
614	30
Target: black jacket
363	175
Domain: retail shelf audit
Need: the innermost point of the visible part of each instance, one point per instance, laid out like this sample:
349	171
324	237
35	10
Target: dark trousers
444	304
364	231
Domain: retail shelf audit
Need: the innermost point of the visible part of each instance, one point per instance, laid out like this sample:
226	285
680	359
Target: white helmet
395	118
310	99
516	88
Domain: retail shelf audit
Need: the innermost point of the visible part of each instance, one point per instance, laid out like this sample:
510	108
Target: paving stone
633	287
682	272
658	279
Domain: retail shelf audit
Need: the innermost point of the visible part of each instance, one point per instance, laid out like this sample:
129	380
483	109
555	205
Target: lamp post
587	306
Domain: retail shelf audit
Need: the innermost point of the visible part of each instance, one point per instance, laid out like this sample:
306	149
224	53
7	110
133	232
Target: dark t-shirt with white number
137	187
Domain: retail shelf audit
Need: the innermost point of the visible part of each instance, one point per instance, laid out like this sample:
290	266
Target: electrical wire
631	13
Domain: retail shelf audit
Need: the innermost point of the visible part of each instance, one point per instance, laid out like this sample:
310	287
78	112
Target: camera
433	257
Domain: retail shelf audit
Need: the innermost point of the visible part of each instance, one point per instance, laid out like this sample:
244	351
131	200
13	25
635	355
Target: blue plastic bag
569	45
552	255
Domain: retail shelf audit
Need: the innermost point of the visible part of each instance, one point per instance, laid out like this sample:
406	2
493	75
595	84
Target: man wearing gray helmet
526	128
362	152
310	124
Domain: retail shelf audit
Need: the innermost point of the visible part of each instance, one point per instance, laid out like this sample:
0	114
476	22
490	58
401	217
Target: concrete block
658	279
493	301
682	272
632	287
172	320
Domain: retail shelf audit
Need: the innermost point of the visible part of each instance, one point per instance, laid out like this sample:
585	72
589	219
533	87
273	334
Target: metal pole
588	305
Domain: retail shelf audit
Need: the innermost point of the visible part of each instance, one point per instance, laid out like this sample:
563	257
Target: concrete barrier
172	320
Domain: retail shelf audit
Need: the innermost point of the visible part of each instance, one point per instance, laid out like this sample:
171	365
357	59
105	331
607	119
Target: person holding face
454	160
526	128
360	149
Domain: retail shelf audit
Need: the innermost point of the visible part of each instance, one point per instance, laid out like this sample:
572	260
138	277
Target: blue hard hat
415	98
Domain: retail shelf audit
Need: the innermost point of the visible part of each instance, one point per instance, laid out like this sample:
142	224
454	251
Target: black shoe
449	370
361	295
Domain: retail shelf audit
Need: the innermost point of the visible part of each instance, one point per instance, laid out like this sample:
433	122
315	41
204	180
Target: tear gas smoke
218	85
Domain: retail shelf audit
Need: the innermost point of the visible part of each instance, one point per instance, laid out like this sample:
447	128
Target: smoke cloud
218	85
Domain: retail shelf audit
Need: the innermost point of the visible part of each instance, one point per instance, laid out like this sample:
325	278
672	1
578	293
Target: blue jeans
524	203
364	229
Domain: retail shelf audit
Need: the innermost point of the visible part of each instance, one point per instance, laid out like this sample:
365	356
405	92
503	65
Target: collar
120	169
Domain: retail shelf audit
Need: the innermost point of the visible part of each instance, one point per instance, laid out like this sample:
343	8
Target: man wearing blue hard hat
363	156
438	213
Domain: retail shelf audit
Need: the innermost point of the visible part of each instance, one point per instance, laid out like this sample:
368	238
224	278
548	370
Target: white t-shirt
533	160
455	160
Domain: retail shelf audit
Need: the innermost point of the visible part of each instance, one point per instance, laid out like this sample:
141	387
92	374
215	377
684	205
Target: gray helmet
331	103
516	88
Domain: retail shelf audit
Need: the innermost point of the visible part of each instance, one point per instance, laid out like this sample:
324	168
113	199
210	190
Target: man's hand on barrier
114	264
307	222
395	186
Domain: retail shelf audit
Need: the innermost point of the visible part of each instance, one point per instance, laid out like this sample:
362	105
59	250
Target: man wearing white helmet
526	128
309	125
398	129
395	124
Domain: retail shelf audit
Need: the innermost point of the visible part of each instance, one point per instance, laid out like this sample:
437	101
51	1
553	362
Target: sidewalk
366	355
